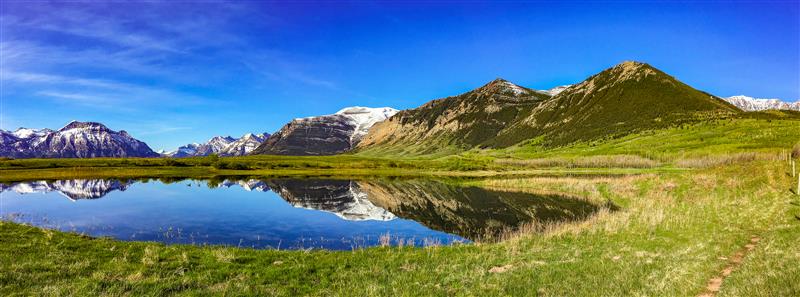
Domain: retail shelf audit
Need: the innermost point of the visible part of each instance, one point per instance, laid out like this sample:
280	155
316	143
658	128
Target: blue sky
176	73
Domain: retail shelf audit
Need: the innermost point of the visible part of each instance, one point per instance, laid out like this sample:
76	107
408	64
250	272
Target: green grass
666	240
687	141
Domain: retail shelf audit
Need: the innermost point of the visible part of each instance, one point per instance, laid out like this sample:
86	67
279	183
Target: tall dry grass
727	159
602	161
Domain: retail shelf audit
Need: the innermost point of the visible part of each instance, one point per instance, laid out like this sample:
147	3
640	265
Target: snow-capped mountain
73	189
188	150
75	140
244	145
324	135
755	104
220	145
555	91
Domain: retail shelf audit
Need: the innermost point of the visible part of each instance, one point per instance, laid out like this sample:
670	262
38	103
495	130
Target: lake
283	213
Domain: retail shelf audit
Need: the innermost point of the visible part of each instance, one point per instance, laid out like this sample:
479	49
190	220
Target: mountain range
756	104
220	145
617	101
622	99
75	140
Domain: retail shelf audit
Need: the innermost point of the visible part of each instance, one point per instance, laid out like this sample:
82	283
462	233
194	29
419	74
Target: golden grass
727	159
602	161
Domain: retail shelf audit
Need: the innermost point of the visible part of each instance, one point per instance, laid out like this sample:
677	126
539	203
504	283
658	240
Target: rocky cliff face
324	135
75	140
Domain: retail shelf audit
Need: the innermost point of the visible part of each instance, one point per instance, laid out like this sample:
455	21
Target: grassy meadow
673	232
700	194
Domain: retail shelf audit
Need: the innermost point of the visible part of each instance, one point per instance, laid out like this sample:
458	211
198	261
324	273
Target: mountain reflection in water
468	212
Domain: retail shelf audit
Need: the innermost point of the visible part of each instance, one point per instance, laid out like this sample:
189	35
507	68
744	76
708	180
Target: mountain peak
79	125
631	70
502	86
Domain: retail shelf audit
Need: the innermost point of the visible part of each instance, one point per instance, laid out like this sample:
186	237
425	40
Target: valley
606	187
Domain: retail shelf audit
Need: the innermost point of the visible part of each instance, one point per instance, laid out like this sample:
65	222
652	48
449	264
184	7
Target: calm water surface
281	213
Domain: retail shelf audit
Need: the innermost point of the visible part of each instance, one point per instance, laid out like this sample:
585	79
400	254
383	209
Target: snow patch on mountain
554	91
517	90
27	132
364	118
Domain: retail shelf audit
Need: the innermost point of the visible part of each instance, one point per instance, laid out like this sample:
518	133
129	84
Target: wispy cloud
27	77
104	94
162	130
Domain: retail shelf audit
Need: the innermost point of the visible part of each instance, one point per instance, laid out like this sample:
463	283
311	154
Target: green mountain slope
623	99
461	122
626	98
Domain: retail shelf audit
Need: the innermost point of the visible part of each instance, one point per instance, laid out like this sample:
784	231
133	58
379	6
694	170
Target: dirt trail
715	283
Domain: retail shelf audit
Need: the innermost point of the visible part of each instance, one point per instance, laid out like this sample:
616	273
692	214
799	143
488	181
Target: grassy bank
674	231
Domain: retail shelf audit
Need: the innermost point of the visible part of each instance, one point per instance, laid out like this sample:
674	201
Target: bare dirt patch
715	283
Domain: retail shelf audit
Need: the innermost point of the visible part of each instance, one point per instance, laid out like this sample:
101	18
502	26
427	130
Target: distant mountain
75	140
214	145
623	99
244	145
324	135
220	145
757	104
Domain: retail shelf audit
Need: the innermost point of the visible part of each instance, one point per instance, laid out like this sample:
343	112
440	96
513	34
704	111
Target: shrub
221	165
231	165
238	166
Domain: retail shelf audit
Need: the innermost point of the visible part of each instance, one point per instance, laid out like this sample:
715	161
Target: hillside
467	120
626	98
